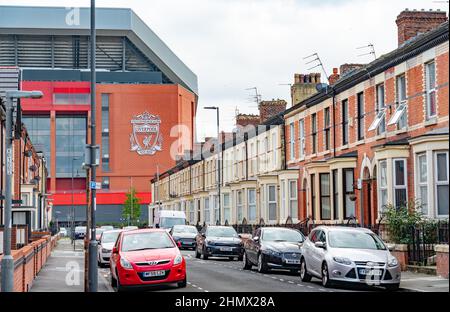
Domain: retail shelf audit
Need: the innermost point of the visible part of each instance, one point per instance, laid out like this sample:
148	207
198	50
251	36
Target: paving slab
64	270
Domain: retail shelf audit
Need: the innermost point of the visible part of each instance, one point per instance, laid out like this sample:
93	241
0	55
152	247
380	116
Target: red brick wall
411	23
415	116
442	264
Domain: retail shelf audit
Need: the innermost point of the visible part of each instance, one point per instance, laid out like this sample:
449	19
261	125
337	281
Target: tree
131	209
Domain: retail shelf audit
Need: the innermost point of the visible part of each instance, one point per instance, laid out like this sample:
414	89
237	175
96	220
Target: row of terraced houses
377	135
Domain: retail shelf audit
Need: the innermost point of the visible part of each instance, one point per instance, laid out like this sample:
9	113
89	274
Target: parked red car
146	257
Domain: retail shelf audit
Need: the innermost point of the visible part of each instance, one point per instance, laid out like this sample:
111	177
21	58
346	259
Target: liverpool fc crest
146	139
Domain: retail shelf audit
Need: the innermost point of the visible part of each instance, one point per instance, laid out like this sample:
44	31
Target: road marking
290	282
200	288
193	285
281	280
300	285
321	289
206	290
310	287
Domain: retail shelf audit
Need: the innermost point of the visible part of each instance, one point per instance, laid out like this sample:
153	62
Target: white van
165	219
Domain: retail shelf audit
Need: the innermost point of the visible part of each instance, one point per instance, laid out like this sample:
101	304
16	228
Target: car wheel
325	276
304	275
205	256
240	258
392	287
262	266
182	284
247	264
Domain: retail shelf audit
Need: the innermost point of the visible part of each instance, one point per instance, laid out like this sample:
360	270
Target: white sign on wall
146	138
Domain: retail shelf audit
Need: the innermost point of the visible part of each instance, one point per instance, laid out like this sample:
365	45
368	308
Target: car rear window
147	240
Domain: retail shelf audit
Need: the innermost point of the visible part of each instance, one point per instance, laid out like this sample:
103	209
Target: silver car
105	246
346	254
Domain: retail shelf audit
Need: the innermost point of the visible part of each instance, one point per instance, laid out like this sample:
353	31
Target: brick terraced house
377	136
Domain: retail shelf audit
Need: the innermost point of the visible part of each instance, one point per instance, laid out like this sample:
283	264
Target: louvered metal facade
72	52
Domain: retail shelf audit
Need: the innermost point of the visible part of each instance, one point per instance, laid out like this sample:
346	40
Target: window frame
344	188
327	128
335	183
360	115
292	141
293	199
273	202
314	133
344	116
322	196
437	182
313	195
301	129
396	187
429	90
399	116
422	184
250	205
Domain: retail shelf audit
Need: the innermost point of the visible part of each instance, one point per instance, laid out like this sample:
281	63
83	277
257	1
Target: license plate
154	273
292	261
370	271
226	249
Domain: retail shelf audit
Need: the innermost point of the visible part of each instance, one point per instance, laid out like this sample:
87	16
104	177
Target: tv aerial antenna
256	97
314	58
371	51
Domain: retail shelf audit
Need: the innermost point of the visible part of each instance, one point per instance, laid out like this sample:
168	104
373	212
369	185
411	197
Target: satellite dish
321	86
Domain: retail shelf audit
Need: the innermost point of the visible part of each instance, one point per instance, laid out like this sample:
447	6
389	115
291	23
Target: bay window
325	200
226	207
239	203
441	180
293	199
400	182
349	204
251	201
422	182
382	185
206	210
272	202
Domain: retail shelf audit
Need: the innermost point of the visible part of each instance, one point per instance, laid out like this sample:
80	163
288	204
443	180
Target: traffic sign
95	185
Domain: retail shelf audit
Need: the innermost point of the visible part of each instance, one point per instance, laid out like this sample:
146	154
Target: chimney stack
268	109
304	86
334	76
412	23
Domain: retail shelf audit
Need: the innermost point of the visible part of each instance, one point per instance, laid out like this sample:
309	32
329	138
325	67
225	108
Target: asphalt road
224	275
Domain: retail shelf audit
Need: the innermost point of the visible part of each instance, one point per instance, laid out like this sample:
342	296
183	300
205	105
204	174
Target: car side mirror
320	245
256	238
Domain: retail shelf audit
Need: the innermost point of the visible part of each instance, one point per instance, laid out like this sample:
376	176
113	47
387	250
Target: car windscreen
80	229
109	237
184	229
167	223
221	232
148	240
282	235
354	239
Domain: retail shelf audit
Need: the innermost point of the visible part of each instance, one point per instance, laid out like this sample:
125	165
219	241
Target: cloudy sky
233	45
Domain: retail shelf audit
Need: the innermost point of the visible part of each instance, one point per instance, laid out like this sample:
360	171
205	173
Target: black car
274	248
184	235
219	241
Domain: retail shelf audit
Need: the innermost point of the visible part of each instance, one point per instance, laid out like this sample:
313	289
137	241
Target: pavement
64	270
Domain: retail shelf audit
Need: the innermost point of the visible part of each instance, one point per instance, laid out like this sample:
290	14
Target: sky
235	45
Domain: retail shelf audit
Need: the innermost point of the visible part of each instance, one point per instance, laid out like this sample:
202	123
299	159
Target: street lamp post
7	284
219	152
72	223
92	272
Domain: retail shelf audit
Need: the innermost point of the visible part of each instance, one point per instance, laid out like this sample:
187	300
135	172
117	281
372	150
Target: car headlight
342	260
125	263
178	259
273	252
104	250
393	262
